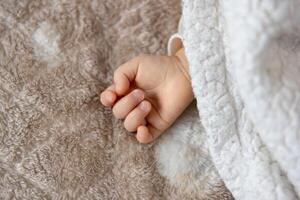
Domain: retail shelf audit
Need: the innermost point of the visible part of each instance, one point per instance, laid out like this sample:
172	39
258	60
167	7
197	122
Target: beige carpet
56	140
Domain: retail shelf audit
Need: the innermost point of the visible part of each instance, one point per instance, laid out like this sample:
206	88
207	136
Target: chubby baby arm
149	93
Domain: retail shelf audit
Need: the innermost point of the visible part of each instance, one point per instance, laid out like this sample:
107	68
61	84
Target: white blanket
245	65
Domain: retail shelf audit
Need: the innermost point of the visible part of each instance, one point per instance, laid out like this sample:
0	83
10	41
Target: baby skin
149	93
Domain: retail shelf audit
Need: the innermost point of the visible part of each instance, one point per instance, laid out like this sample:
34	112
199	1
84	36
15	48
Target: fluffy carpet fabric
56	140
245	66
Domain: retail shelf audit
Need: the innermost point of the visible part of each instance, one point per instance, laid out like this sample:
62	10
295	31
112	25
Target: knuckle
136	96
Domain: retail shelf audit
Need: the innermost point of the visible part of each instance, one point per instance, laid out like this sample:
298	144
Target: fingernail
138	94
109	98
145	106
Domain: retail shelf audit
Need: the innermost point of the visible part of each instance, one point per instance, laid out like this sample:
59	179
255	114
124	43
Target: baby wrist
180	54
175	48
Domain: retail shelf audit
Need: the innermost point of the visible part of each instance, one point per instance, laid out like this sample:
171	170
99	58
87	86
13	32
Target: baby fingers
137	116
108	96
126	104
146	134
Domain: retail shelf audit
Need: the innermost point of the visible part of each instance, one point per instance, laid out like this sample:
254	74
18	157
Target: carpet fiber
56	140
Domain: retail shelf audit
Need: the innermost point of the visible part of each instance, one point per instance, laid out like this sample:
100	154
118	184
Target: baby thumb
124	75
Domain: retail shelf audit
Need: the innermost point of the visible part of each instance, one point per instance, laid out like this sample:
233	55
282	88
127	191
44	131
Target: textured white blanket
245	66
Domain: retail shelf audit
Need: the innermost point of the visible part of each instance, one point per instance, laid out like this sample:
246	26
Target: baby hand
149	93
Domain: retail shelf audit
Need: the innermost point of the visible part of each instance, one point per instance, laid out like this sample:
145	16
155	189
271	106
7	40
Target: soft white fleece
245	65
